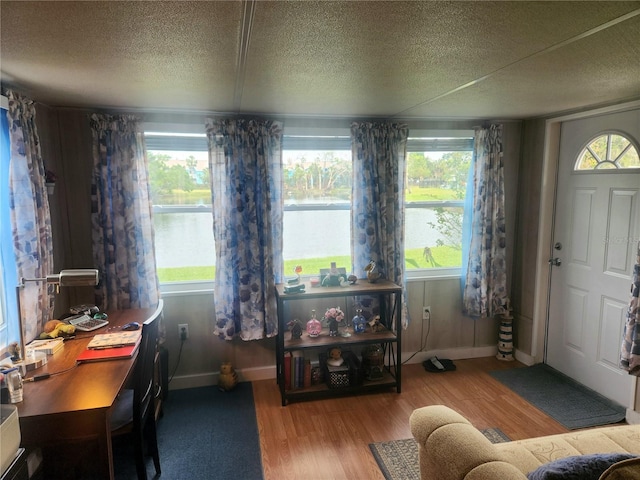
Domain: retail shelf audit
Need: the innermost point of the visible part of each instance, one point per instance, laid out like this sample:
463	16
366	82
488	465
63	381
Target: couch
451	448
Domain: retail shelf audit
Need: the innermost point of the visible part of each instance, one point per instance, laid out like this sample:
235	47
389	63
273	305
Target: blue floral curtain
485	289
30	218
121	215
630	350
245	168
377	212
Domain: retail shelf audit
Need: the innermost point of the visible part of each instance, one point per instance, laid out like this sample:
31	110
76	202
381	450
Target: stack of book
297	370
111	346
48	346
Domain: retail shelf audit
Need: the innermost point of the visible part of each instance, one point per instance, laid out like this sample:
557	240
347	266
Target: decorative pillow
579	467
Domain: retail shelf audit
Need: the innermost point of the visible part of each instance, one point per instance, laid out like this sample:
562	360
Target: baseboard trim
208	379
632	417
269	372
451	354
525	358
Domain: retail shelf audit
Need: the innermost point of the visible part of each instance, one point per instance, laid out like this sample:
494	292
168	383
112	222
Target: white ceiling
390	59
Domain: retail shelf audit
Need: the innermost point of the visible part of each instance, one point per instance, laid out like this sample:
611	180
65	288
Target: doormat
398	459
562	398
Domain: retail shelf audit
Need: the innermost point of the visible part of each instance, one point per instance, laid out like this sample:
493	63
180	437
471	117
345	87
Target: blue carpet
204	434
562	398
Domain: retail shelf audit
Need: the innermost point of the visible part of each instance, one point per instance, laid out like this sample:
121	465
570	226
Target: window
9	325
317	173
608	151
317	204
181	198
437	170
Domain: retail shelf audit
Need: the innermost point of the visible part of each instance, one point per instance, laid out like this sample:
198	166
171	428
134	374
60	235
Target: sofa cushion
578	467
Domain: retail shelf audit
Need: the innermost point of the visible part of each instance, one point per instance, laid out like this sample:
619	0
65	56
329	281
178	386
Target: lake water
187	238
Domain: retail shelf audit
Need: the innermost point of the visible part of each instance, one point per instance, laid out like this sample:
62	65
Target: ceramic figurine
296	329
373	274
375	324
335	357
228	378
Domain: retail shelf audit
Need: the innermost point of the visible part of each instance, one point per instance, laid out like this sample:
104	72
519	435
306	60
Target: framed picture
332	280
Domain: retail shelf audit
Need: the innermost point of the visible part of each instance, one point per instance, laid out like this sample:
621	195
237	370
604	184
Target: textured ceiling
422	59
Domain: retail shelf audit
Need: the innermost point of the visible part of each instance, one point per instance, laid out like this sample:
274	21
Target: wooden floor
329	439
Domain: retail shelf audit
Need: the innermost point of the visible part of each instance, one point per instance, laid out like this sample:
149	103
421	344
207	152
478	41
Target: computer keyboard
85	323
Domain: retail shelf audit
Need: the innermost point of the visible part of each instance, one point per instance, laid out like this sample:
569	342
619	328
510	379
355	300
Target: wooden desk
76	405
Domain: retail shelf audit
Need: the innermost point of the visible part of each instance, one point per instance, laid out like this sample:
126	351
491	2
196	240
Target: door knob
555	262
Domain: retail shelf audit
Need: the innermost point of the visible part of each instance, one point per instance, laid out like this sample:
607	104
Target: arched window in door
608	151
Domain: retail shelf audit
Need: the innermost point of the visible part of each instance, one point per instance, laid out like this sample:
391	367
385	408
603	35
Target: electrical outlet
426	313
183	331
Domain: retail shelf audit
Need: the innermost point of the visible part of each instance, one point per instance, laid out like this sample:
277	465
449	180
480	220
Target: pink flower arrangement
334	313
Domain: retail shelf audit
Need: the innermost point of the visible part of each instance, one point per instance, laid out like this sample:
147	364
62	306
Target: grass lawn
414	258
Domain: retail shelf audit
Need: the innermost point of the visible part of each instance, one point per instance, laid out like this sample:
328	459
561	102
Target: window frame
306	138
9	323
418	274
632	141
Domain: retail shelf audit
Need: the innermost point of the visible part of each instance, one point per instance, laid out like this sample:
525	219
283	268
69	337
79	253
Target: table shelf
389	297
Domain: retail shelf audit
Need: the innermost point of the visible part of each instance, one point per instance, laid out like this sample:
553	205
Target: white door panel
597	225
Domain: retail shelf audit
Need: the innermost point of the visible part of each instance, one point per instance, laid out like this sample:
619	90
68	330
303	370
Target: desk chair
134	411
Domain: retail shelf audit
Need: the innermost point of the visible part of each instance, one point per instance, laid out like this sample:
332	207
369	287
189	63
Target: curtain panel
485	289
630	351
30	217
121	215
377	211
245	168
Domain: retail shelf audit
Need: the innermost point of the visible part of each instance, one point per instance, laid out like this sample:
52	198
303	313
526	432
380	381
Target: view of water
187	238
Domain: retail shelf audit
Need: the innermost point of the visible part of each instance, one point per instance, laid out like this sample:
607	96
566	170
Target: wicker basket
346	375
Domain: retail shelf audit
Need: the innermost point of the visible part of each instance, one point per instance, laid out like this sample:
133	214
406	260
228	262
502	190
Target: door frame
546	223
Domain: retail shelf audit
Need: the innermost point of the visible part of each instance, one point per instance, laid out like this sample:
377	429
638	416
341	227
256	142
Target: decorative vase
333	327
359	322
314	327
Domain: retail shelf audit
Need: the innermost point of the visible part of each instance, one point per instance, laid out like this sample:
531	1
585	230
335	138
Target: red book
99	355
307	374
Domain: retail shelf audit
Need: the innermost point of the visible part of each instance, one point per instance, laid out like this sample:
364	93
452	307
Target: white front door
596	232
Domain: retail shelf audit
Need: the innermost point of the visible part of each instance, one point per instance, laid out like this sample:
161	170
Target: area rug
562	398
204	433
398	459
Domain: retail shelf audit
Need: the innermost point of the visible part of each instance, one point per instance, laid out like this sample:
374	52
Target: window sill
175	289
430	274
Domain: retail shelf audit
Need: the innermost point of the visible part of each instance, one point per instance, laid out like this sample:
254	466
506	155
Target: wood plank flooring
329	439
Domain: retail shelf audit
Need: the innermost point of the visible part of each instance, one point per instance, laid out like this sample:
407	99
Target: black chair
134	411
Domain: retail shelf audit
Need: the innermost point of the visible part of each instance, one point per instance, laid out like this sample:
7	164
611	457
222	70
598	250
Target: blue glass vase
359	322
